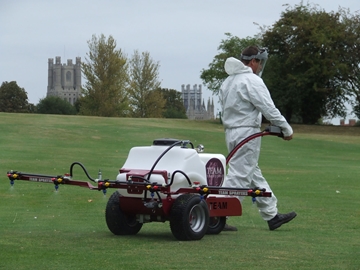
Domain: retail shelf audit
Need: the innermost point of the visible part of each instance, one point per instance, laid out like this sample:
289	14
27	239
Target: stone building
194	104
352	122
64	80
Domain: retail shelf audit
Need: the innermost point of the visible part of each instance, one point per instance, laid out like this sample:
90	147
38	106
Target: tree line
313	70
116	86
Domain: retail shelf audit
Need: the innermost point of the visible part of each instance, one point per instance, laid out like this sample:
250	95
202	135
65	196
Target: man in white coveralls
244	99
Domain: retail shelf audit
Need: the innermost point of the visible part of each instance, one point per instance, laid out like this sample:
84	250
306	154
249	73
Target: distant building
352	122
64	80
194	105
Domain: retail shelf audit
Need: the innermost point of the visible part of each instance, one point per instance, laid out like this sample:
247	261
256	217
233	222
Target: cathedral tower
64	80
194	105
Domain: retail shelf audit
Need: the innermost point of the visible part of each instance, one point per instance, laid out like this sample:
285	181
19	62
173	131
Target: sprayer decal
214	172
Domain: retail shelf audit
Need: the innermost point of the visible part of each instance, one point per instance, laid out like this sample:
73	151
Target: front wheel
118	222
189	217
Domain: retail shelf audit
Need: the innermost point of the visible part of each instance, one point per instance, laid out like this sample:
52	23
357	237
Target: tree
13	98
154	105
174	107
105	70
55	105
145	100
313	58
314	63
232	46
352	84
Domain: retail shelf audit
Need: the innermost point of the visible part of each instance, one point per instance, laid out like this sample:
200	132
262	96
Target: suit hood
235	66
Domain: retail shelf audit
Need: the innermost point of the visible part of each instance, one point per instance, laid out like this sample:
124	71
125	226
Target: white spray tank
198	167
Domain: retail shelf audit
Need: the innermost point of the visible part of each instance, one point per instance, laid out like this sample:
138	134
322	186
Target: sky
181	35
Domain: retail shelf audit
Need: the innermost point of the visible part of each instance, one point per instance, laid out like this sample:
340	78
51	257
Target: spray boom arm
139	179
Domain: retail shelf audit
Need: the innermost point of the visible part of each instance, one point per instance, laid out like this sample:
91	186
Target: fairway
316	174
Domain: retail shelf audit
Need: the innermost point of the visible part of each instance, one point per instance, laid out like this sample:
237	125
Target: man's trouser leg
243	169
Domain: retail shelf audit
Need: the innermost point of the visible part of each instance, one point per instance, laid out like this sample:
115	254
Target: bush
55	105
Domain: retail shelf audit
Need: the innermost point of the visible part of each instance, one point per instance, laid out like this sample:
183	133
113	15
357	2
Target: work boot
280	219
228	228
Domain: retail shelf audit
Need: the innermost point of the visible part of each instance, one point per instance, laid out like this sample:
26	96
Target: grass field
316	174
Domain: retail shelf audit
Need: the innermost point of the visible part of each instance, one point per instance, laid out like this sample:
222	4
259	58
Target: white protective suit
244	98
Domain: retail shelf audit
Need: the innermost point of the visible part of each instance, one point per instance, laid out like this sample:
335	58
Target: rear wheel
189	217
216	225
118	222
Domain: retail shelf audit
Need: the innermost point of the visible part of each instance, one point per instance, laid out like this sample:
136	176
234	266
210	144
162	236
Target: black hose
158	159
173	175
172	178
84	169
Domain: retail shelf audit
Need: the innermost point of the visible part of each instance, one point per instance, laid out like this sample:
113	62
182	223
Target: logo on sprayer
214	172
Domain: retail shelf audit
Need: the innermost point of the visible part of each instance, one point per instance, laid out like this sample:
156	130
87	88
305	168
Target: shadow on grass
163	236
